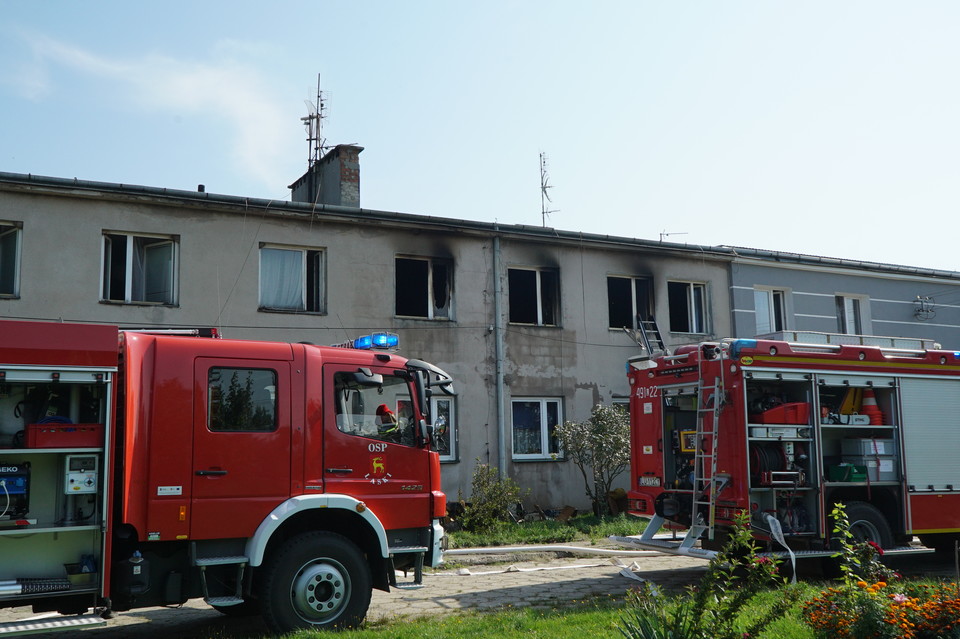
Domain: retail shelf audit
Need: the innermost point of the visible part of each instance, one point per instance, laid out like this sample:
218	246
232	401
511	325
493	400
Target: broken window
687	307
534	296
628	301
139	268
423	287
9	259
292	279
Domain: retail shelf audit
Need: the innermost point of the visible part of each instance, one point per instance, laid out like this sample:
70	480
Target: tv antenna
544	187
313	121
664	234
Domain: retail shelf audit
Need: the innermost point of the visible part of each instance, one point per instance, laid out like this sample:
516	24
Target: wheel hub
320	590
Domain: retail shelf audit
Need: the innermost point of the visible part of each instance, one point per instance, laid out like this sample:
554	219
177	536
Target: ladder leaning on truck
786	429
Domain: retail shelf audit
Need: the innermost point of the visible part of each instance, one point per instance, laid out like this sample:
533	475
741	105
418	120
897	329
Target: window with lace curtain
534	426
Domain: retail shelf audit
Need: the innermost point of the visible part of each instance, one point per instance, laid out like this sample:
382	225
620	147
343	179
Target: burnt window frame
638	312
543	290
432	285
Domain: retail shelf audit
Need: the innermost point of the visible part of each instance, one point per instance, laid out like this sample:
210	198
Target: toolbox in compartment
57	435
792	413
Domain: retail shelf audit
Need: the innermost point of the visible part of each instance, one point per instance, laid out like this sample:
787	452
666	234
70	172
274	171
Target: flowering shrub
871	602
713	609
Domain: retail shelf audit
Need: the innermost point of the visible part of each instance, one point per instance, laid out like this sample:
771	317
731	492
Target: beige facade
148	257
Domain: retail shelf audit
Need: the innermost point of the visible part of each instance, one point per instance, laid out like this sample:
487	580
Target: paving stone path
544	581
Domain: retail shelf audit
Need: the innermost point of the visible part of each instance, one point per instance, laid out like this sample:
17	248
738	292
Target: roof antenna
544	196
317	113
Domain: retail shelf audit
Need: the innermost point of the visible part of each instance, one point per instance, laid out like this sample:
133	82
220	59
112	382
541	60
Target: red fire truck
786	429
144	469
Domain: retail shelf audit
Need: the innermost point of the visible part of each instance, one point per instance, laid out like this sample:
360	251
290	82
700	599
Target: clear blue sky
827	128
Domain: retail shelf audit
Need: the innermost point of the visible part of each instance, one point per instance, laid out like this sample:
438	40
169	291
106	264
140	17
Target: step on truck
146	468
784	430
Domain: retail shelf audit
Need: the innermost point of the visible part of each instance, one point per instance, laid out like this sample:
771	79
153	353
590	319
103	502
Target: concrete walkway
543	580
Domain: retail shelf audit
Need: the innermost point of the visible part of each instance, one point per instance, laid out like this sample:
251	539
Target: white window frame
557	311
320	284
11	232
697	322
545	453
765	303
853	314
451	435
433	312
135	286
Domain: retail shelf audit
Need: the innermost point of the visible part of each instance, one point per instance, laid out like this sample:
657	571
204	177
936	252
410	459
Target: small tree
602	444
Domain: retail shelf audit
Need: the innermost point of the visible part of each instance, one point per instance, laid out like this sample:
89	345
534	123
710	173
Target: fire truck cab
144	469
786	429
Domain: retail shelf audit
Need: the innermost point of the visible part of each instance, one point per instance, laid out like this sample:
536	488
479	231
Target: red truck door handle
342	471
204	473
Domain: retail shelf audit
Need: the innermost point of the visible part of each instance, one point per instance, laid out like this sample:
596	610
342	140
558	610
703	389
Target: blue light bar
378	341
737	345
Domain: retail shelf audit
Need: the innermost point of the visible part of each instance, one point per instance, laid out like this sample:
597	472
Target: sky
827	128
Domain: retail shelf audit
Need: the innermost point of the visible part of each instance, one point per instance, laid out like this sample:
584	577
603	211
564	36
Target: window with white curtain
534	426
139	268
292	279
9	259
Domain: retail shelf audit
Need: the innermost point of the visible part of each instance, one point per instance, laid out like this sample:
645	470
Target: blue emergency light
374	341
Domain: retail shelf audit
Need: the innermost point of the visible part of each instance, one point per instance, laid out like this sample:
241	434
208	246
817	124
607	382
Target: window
241	399
9	259
534	425
771	310
534	296
424	287
849	315
139	268
687	307
628	298
444	428
377	410
292	279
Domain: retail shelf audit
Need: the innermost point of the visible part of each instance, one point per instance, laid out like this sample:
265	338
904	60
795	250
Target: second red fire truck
142	469
786	429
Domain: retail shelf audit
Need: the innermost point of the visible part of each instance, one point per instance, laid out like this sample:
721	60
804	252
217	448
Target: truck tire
316	580
868	524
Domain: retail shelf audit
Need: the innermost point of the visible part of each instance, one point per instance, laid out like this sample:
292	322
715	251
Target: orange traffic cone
870	408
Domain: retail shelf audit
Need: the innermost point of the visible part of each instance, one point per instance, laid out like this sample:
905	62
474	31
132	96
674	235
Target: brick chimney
334	179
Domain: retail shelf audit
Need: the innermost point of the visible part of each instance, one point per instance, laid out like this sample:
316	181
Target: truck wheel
315	580
868	524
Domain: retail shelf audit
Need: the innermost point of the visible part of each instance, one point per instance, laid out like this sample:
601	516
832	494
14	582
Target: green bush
491	499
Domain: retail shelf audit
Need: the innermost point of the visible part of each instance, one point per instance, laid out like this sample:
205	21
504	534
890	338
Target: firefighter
387	424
